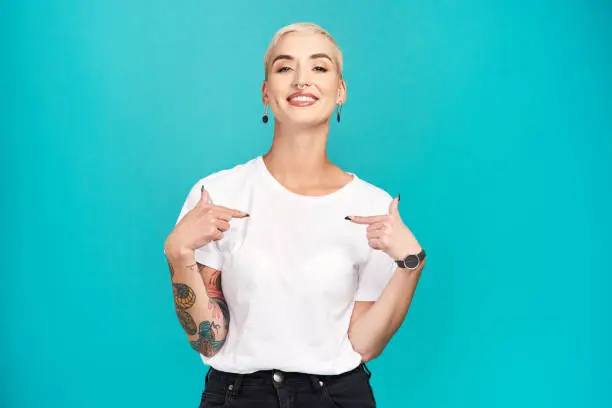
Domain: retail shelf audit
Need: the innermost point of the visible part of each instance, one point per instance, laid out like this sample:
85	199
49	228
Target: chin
305	120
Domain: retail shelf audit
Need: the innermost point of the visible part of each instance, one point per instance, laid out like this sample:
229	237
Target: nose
301	81
300	84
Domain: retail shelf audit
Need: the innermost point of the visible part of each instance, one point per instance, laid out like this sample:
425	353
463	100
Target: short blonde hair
301	28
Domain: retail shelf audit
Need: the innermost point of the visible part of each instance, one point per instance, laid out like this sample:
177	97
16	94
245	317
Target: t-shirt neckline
271	180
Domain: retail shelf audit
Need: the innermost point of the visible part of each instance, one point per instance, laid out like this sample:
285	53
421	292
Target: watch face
411	261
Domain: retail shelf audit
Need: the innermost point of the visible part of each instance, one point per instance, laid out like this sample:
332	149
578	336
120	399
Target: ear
264	92
341	99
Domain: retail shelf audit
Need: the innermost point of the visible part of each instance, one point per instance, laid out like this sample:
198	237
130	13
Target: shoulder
378	198
228	177
222	182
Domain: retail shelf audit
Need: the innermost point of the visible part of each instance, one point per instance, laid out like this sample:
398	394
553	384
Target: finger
230	211
240	214
374	234
222	212
368	220
204	197
375	244
378	226
393	207
221	216
217	236
222	225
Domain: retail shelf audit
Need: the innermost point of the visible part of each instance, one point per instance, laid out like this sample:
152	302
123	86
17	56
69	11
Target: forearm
371	332
199	303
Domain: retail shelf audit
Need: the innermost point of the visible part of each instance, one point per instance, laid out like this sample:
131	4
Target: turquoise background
492	118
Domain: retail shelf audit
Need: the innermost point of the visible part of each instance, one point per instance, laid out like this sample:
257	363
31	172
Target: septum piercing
301	85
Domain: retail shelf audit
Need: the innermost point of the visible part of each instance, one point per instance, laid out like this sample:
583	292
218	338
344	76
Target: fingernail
202	188
398	197
347	218
247	215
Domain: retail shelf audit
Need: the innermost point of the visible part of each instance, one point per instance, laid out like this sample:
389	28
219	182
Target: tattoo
215	293
186	320
184	298
191	267
209	337
207	343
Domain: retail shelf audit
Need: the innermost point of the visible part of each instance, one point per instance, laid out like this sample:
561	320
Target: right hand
205	222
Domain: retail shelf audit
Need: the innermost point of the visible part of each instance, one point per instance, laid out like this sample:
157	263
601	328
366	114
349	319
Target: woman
288	272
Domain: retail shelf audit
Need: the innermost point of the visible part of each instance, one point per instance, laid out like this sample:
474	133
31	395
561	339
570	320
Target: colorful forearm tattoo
209	339
184	298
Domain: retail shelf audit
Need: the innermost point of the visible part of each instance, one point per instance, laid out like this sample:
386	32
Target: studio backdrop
493	119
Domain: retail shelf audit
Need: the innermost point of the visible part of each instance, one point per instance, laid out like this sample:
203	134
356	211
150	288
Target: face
307	59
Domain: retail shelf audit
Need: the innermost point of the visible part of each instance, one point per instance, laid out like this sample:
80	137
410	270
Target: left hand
388	233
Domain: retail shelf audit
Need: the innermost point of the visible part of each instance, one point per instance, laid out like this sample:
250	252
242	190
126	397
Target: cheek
277	90
329	89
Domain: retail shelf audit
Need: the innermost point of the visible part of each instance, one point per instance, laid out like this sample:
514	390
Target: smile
302	100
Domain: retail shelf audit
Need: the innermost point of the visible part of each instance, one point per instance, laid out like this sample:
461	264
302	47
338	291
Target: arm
374	323
199	302
198	298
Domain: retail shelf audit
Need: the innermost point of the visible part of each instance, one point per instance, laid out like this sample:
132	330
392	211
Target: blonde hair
301	28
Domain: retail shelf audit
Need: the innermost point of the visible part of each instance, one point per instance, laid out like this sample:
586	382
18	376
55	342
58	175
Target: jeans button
277	377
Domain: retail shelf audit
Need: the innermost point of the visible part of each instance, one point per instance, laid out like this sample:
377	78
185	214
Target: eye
320	69
283	69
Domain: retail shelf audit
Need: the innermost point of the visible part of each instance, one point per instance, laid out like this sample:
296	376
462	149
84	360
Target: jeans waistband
265	376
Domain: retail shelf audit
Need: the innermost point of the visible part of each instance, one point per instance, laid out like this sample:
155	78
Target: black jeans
280	389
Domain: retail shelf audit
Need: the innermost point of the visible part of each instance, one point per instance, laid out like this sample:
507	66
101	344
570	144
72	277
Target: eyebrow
313	56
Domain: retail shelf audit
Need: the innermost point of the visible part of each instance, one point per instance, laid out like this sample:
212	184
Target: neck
298	156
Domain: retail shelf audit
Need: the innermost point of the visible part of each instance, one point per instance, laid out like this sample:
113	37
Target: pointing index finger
231	212
372	219
239	214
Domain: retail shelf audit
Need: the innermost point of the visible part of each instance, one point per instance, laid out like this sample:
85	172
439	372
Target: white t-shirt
292	270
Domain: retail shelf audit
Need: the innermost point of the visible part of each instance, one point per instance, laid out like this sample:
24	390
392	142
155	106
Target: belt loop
367	371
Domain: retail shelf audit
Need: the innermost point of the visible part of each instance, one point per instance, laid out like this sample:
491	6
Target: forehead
296	44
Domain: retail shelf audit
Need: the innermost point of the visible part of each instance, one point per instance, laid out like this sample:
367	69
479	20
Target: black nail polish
347	218
398	197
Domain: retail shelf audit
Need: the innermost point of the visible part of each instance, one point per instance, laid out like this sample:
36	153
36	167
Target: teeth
303	99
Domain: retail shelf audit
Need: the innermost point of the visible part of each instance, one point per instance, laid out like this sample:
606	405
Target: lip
301	103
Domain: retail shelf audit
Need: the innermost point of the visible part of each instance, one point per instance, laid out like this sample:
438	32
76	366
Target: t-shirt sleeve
376	271
374	274
209	254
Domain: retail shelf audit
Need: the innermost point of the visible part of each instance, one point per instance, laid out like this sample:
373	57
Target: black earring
265	115
338	111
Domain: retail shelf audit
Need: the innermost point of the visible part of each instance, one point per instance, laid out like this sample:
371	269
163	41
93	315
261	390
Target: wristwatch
412	261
